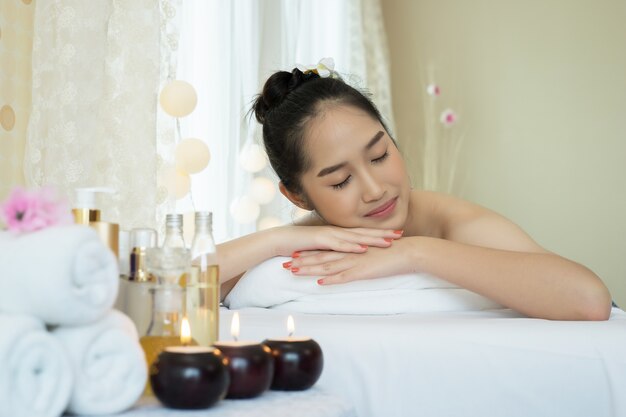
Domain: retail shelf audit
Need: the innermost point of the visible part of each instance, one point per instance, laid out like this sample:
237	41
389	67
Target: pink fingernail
388	239
320	282
363	246
295	255
398	232
287	265
294	270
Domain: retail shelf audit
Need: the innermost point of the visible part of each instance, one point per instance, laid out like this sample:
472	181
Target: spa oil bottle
136	287
166	265
174	231
174	238
86	212
203	286
164	327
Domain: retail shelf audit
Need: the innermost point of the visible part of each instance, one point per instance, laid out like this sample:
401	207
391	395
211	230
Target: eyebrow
329	170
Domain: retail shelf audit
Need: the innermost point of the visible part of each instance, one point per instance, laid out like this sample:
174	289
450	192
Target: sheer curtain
228	49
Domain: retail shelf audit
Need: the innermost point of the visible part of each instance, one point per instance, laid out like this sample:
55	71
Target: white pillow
269	285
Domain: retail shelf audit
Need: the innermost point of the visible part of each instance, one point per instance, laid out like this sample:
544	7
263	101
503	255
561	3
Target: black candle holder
189	377
250	366
298	363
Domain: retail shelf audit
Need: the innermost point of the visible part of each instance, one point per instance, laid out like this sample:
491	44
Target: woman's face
357	176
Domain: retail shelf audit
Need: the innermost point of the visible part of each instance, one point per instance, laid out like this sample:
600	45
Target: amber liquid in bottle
164	329
202	306
153	345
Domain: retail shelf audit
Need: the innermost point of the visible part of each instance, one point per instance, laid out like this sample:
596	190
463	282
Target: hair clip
324	68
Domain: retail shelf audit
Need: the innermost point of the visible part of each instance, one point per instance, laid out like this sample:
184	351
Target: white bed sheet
488	363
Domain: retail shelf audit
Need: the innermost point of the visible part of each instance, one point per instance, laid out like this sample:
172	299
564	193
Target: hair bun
276	89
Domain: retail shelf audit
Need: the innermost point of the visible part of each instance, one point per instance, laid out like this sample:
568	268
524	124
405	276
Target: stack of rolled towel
62	346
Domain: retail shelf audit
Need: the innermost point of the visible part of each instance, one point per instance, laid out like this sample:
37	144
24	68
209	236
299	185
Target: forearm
238	255
536	284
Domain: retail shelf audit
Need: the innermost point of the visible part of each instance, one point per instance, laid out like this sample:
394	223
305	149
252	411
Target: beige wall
540	87
16	37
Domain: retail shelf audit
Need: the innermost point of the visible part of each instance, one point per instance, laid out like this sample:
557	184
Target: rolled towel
110	370
61	275
269	285
35	372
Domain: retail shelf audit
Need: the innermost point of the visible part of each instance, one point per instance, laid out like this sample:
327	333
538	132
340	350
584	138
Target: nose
372	188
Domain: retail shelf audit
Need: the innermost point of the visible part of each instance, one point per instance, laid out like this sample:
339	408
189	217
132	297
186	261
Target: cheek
398	170
337	207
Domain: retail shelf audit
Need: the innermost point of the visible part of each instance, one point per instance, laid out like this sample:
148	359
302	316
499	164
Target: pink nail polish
388	239
398	232
320	282
363	246
294	270
286	265
295	255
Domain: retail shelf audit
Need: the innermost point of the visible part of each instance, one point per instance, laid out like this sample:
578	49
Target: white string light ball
262	190
192	155
244	210
252	158
178	183
178	98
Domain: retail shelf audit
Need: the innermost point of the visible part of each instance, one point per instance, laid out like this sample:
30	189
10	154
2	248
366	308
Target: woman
334	156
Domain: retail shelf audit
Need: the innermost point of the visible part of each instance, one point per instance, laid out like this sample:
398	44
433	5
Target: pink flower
433	90
448	117
28	211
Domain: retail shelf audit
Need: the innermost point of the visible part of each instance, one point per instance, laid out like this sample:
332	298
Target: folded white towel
110	370
35	373
61	275
269	285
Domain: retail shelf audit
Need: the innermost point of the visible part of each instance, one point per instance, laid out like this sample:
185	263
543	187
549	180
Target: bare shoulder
459	220
434	213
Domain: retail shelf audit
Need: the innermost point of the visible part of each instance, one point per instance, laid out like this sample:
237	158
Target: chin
394	222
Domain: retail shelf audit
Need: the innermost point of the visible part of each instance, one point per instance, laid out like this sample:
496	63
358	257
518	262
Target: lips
384	209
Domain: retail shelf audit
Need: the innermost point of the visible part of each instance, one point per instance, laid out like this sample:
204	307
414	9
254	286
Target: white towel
269	285
35	373
110	370
61	275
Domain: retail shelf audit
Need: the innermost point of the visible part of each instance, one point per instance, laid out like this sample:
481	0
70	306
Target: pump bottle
86	212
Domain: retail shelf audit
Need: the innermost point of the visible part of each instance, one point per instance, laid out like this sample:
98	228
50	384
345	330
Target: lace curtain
97	68
227	51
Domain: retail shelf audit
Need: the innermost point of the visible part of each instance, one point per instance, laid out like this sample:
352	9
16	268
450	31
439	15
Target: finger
393	234
346	244
305	253
324	269
317	258
311	257
339	278
381	240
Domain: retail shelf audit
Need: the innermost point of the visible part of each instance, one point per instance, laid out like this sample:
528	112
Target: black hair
290	100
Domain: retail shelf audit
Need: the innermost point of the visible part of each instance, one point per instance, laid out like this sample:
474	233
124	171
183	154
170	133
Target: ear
296	199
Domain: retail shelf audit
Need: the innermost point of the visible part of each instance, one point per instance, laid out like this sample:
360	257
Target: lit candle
298	361
249	363
189	377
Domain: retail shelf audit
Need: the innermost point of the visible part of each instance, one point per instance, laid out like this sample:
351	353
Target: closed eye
342	183
381	158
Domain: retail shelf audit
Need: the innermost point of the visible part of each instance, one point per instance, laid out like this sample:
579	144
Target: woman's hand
294	239
338	267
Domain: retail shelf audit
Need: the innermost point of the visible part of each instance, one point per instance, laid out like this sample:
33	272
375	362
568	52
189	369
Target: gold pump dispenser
85	212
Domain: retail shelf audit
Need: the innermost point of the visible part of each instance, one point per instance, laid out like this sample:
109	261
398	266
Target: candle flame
185	332
234	326
291	327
